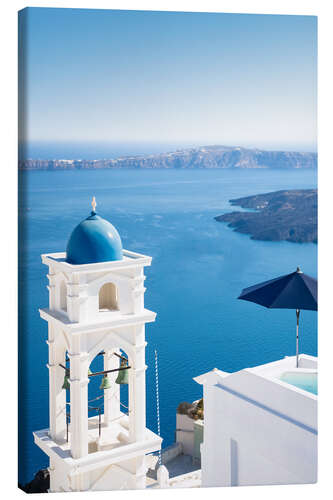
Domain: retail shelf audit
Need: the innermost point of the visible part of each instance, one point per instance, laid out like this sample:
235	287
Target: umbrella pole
297	325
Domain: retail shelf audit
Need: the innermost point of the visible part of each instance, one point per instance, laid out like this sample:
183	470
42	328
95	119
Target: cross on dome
93	204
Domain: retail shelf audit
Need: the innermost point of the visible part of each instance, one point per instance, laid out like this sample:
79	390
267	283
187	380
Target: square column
111	396
52	287
57	395
137	388
79	405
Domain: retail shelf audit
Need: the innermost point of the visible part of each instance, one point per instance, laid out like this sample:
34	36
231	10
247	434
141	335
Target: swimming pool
306	381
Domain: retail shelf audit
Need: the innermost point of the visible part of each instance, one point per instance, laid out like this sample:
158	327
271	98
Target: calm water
199	267
306	381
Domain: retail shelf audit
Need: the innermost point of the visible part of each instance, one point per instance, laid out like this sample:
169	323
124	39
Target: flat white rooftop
276	368
273	371
273	388
130	259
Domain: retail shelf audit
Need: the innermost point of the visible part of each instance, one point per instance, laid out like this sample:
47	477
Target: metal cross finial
93	204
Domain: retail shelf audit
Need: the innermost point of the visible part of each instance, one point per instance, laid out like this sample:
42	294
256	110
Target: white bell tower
96	307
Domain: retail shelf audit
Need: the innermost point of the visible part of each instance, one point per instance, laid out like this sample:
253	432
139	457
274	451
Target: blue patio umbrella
291	291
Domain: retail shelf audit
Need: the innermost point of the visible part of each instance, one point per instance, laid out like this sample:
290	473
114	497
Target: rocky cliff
203	157
39	484
282	215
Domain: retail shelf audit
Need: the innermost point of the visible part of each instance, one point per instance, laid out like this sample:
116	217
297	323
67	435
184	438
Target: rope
158	407
102	396
121	404
95	407
95	399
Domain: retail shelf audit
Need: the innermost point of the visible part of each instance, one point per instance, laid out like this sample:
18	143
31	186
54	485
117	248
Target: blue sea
199	268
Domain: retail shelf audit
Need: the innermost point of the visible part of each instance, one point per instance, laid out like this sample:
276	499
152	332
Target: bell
66	384
105	383
122	377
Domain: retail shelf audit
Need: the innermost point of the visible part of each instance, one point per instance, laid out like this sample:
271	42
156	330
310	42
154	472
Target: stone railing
188	480
171	452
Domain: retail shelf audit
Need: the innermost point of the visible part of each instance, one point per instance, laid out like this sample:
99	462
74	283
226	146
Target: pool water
306	381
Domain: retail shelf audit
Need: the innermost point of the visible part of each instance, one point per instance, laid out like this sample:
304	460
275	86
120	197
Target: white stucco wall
258	431
185	433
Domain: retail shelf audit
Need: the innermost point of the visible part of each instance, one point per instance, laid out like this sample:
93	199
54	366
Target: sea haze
94	150
111	150
199	268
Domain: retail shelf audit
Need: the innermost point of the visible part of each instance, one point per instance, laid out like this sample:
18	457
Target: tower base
113	462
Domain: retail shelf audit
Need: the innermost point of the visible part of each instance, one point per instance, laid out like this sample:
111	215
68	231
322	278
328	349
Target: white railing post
163	476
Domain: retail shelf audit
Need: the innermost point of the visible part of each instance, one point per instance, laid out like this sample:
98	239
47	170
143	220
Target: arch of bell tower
109	341
108	300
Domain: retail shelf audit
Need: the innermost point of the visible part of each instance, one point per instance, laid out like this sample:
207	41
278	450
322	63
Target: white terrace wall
257	439
185	433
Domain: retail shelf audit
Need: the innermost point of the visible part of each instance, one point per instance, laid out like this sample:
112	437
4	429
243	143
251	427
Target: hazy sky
129	76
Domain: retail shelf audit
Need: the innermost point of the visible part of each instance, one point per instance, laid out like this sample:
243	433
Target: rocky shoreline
210	157
280	216
39	484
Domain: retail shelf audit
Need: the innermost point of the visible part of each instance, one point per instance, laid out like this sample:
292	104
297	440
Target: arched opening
107	399
108	297
63	296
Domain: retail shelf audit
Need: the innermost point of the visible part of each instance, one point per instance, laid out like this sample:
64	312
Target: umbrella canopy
291	291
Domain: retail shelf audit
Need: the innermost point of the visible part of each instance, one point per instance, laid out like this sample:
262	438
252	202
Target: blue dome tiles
94	240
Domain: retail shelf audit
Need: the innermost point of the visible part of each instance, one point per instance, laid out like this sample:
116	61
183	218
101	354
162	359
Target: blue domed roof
94	240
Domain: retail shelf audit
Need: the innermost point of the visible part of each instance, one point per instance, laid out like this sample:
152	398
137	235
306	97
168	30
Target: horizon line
184	145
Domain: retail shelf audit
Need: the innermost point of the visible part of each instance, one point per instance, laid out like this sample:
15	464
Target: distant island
282	215
203	157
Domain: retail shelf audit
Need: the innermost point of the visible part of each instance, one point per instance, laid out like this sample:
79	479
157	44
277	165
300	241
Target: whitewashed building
260	424
96	305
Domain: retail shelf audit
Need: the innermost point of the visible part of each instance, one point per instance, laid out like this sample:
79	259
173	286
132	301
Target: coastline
278	216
